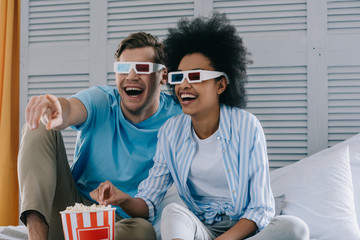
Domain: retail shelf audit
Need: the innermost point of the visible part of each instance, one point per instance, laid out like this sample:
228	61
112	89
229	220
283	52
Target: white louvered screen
343	17
343	69
278	97
111	79
343	102
58	21
259	18
153	16
63	85
56	56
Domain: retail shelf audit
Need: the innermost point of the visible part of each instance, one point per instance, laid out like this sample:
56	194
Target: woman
214	152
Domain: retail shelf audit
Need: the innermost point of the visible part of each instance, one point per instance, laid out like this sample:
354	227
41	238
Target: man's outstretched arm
55	113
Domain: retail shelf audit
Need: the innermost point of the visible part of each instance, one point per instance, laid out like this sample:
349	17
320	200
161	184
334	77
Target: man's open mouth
133	91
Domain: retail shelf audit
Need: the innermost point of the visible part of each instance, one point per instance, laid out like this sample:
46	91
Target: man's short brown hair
139	40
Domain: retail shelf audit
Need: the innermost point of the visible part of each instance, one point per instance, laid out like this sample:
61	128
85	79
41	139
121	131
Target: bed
323	190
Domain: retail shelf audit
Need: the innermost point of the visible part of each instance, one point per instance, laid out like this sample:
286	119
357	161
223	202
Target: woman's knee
171	210
294	227
177	221
135	229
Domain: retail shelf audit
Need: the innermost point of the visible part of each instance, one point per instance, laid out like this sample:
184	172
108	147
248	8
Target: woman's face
199	99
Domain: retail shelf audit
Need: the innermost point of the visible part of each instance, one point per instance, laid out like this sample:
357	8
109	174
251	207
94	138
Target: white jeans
179	222
171	196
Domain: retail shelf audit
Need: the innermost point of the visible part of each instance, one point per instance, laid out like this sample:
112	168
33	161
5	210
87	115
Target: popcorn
79	207
82	222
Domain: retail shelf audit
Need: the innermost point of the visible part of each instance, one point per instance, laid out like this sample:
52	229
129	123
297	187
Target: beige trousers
47	185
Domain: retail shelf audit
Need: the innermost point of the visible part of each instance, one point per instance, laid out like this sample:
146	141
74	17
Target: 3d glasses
194	76
139	67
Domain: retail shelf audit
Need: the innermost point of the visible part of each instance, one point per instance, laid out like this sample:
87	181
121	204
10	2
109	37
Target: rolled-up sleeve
96	103
261	207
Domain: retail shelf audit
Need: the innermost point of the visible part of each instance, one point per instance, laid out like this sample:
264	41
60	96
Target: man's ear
164	76
222	85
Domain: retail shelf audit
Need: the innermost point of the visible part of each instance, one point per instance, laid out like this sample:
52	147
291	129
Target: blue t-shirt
109	147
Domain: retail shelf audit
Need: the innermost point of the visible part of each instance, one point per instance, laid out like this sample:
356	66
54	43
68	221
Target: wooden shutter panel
55	52
343	102
343	37
154	17
58	21
275	34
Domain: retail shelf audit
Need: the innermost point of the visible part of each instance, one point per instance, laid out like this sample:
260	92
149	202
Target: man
116	142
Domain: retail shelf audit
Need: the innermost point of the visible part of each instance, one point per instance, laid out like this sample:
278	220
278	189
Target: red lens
142	67
194	76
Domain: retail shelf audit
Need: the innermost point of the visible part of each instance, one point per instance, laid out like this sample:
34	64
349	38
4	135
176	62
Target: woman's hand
241	230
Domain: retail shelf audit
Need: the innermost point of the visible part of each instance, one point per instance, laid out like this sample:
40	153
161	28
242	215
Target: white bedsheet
13	233
18	233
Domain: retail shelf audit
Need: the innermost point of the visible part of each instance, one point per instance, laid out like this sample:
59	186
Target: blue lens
123	67
177	77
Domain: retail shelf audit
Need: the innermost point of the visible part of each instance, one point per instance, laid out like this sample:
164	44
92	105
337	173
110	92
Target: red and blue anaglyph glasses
139	67
194	76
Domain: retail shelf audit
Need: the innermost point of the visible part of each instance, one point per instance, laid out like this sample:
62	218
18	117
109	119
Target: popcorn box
89	225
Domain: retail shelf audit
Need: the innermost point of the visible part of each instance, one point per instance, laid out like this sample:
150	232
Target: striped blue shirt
245	159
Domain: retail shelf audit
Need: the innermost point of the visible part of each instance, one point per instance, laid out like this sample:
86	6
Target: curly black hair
215	38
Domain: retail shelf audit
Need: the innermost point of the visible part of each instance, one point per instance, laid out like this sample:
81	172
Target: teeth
187	96
133	89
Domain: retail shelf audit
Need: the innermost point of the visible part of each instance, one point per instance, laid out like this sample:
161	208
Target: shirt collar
225	122
224	125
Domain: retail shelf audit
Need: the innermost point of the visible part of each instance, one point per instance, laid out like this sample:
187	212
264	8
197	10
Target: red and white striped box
89	225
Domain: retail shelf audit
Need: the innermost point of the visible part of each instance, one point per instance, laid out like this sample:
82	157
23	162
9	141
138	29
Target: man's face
140	93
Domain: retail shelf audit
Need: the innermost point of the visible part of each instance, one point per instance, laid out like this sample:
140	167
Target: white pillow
319	190
354	154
